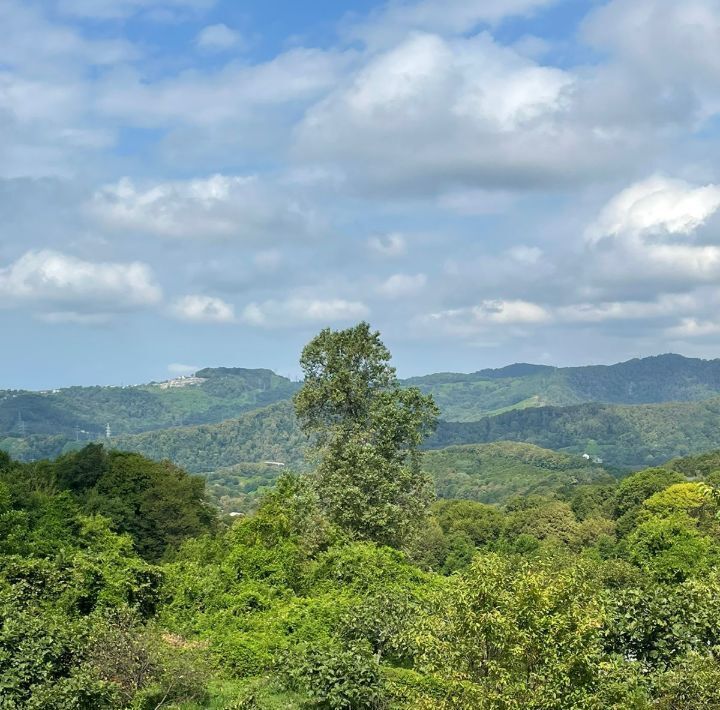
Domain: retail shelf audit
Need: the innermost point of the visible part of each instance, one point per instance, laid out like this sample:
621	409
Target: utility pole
21	424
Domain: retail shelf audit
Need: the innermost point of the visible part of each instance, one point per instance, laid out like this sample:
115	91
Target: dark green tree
365	432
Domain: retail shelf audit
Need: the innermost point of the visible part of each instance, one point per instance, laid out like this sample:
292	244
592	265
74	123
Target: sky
191	183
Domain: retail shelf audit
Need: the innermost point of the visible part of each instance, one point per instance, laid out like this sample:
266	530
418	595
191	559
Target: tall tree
366	432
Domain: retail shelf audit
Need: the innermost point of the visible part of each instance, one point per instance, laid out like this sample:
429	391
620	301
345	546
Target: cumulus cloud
468	322
432	113
302	311
218	38
402	285
656	205
390	245
65	287
646	239
221	206
693	328
638	33
203	309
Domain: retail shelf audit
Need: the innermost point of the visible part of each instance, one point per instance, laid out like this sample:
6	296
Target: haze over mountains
634	413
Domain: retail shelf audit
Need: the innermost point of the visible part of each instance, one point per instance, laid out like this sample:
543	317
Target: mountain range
635	413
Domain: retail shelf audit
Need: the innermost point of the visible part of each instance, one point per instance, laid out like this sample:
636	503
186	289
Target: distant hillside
623	435
674	411
213	395
493	473
217	394
700	466
489	473
269	434
665	378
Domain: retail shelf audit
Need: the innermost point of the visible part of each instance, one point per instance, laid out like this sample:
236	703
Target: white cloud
46	90
67	287
299	311
468	322
203	309
390	245
217	207
402	285
646	239
656	205
236	93
693	328
638	34
177	368
664	306
218	38
447	17
432	114
119	9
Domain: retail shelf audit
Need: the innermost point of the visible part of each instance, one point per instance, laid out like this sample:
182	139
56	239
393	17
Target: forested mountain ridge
216	394
228	416
650	380
622	435
211	395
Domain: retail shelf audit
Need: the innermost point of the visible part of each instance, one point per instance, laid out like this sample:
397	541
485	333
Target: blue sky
187	183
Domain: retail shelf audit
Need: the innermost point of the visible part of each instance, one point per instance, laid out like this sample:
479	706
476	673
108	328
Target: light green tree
365	433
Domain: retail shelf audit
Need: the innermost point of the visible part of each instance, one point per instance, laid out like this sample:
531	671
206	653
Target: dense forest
622	435
551	407
352	585
487	473
211	395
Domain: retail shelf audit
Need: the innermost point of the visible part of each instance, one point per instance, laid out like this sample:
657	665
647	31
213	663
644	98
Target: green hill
268	434
493	473
488	473
623	435
665	378
217	394
213	395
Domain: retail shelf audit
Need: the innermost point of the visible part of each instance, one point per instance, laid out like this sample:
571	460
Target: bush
337	678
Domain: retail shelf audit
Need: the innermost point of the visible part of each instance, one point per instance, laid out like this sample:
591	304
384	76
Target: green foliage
667	378
365	433
269	434
553	586
493	473
514	636
216	394
331	678
670	548
623	435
